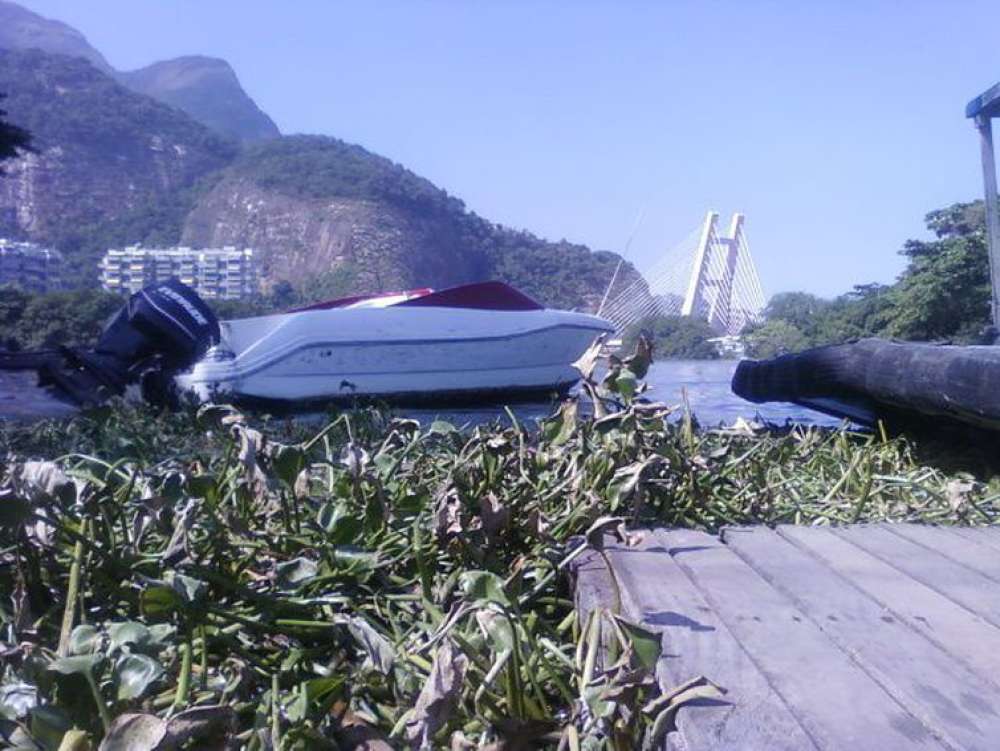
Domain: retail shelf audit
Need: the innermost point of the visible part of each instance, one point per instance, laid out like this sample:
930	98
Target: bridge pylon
710	275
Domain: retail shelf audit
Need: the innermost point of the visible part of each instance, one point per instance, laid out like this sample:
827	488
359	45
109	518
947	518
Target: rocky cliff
313	203
384	246
102	152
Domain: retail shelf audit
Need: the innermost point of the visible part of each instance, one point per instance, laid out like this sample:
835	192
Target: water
708	393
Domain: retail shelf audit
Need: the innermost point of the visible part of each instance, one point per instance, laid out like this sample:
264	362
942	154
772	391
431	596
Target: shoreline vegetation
222	580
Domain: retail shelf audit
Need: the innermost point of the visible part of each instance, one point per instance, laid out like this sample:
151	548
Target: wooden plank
946	696
657	593
985	536
954	629
975	554
960	584
592	589
592	585
835	700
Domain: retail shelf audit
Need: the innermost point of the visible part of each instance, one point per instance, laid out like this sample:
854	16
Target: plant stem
275	714
72	590
102	708
184	679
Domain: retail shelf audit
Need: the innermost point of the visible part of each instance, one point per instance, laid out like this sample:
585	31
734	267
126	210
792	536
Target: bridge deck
863	637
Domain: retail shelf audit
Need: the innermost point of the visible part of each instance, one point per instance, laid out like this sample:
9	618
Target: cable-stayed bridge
709	275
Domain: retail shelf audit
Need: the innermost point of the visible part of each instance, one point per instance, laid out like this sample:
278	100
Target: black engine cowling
162	329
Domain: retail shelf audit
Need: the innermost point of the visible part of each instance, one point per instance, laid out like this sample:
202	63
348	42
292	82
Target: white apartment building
219	273
30	266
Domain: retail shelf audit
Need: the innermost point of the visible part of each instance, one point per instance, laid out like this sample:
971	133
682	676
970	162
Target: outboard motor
162	329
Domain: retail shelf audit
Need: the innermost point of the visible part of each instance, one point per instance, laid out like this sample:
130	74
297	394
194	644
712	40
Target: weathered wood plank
975	554
834	699
954	629
954	702
657	593
960	584
986	536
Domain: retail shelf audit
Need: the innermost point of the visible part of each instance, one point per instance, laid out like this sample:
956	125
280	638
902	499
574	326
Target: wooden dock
864	637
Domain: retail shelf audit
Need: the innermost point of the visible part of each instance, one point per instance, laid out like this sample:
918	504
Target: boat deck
863	637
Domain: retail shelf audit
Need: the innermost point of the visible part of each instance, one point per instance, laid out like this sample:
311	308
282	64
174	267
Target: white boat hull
395	353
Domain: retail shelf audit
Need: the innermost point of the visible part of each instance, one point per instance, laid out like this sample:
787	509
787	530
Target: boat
903	385
472	343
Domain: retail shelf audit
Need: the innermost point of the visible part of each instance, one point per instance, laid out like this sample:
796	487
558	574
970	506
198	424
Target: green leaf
13	510
191	590
483	586
441	427
203	486
626	384
341	527
49	724
559	427
76	665
160	633
379	649
159	601
134	674
497	628
646	644
294	573
129	632
17	699
315	697
84	639
354	559
288	462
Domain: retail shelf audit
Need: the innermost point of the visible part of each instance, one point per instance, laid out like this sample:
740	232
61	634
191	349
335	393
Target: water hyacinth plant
205	579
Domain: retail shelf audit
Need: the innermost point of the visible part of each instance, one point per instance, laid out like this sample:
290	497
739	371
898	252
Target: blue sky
835	126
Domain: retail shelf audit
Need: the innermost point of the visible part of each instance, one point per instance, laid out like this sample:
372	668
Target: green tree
675	337
76	317
773	338
944	293
800	309
13	139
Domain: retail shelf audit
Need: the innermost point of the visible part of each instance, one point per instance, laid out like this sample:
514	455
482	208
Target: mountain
102	152
313	203
204	87
21	29
207	89
115	167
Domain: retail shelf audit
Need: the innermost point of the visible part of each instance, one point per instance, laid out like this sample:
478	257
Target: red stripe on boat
343	302
480	296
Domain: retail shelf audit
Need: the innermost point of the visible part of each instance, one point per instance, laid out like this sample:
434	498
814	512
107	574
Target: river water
705	381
